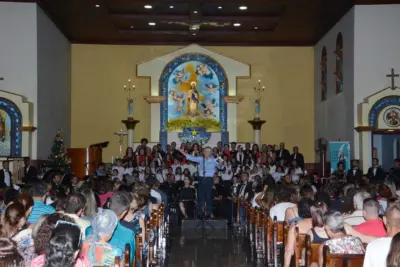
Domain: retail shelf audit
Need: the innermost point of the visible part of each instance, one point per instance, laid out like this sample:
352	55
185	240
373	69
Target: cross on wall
393	76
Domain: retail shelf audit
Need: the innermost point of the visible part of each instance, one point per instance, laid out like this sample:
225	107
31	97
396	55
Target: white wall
54	84
377	50
334	117
18	53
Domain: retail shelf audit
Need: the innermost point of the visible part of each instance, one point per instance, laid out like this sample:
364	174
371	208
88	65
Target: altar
193	90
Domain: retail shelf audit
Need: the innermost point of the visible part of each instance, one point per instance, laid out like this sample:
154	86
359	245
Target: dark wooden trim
364	128
189	42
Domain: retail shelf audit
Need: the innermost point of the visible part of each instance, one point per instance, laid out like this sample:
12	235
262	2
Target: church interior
286	95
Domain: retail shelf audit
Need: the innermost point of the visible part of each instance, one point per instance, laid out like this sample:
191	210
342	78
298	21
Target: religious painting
5	138
194	86
392	117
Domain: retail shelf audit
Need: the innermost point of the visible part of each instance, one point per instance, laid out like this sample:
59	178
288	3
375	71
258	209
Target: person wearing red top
373	225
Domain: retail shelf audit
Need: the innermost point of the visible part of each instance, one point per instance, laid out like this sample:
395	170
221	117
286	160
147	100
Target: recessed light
148	7
171	6
256	28
131	27
236	24
220	7
152	23
194	33
97	5
195	12
243	7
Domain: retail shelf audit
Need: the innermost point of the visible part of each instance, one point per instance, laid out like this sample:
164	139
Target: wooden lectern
84	161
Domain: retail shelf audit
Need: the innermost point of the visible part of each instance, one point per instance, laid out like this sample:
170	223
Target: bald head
392	217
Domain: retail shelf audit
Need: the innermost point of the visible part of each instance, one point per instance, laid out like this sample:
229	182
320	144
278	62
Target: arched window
339	63
324	74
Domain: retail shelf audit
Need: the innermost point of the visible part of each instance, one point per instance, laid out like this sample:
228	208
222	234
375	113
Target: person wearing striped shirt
38	193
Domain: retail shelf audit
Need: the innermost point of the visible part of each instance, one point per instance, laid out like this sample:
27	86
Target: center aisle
208	249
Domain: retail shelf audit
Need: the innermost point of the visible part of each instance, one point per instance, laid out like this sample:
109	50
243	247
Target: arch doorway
386	147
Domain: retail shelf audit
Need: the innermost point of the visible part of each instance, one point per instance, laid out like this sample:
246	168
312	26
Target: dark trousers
204	194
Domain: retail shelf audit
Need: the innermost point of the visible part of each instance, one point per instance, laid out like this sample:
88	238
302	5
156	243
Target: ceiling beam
202	32
202	1
272	17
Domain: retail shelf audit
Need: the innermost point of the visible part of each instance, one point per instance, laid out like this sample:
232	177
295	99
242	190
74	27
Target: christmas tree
58	156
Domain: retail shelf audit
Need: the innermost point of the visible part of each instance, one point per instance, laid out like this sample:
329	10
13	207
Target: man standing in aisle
207	166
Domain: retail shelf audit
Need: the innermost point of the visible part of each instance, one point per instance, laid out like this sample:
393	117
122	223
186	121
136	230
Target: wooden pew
301	243
139	246
279	236
342	260
268	233
127	256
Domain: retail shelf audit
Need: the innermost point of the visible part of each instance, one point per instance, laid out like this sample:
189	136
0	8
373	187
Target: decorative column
257	122
156	133
232	102
130	123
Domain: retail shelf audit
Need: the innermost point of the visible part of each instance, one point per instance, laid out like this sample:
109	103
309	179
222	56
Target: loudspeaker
188	224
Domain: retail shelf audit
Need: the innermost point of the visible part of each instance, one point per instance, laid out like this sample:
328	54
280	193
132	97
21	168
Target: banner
339	152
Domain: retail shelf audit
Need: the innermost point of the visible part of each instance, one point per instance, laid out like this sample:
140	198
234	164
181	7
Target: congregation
65	220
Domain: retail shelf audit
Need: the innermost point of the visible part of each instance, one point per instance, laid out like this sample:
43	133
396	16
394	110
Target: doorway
386	147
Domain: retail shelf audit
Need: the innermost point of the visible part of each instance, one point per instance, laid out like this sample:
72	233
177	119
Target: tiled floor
208	249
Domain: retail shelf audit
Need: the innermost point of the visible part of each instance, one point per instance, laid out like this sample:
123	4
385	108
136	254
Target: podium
84	161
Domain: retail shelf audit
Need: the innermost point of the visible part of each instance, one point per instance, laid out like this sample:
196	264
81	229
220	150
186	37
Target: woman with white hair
97	248
339	242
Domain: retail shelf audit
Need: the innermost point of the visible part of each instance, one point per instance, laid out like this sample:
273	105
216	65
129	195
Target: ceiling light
256	28
148	7
194	33
152	23
171	6
243	7
195	12
97	5
220	7
131	27
236	24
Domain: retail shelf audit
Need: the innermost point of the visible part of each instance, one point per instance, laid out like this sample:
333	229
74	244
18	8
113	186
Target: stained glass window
324	75
339	63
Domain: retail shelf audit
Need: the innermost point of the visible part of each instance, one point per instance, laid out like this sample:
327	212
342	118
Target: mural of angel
212	88
208	107
179	76
204	71
179	99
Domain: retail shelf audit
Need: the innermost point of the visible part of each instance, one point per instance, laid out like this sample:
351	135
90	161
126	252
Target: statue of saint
193	99
257	105
130	106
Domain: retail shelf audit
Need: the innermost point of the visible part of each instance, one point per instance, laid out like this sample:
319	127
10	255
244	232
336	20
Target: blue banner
339	152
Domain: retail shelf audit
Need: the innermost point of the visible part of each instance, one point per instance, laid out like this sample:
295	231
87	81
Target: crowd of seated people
91	219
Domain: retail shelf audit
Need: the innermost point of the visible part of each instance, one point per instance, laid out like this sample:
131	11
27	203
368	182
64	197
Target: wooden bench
342	260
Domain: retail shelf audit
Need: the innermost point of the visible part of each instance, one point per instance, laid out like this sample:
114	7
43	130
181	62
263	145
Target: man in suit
354	174
245	193
376	173
394	173
5	176
30	172
283	153
298	157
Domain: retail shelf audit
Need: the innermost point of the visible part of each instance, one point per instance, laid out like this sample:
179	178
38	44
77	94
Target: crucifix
392	76
1	79
121	135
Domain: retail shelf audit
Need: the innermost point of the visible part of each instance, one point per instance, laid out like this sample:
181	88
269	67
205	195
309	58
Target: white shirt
277	176
156	195
128	171
253	202
355	218
178	177
120	170
298	171
377	251
7	178
279	210
374	170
